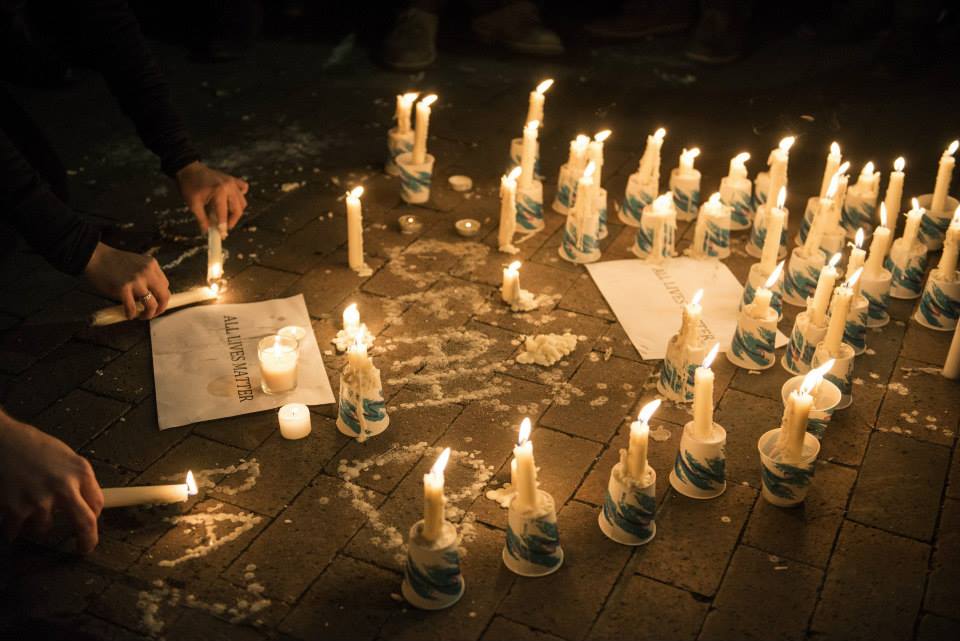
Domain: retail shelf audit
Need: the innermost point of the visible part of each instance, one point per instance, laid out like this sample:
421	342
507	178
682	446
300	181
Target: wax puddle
547	349
242	522
390	537
470	255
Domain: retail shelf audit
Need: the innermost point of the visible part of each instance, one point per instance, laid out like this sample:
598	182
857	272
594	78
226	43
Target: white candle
947	267
595	154
878	246
661	209
535	106
355	229
294	421
149	494
510	288
528	154
433	499
941	188
712	211
821	296
834	158
857	257
508	209
649	169
639	442
778	160
738	166
118	313
867	180
761	299
690	322
214	255
912	227
894	195
402	114
951	366
423	126
799	404
583	208
703	396
578	155
839	308
771	242
279	356
828	214
357	357
351	318
526	469
687	156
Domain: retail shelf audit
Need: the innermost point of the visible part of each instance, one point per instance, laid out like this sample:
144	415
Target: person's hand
129	278
41	475
205	189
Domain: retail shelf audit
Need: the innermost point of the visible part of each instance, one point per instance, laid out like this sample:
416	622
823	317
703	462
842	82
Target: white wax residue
547	349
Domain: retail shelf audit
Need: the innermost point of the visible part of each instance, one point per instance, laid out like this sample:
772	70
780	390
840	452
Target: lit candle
433	499
351	318
690	322
639	441
661	209
947	266
279	356
771	242
150	494
595	154
857	257
535	106
821	296
703	396
894	193
738	166
761	300
839	308
944	173
951	365
528	154
294	421
687	156
834	158
357	357
355	229
712	211
799	404
912	227
526	469
583	204
214	255
578	154
778	160
423	125
510	289
649	169
868	178
508	210
402	114
118	313
828	214
878	246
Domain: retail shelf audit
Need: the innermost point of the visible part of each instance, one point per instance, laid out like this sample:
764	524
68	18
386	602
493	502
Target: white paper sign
647	299
205	363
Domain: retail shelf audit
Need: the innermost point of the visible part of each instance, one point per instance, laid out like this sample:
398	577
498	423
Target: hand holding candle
639	441
433	499
703	396
118	314
150	494
214	255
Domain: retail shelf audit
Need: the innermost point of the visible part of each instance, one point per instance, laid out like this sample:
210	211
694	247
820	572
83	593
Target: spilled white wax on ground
502	495
528	301
470	256
391	537
242	521
205	477
660	434
344	339
437	303
547	349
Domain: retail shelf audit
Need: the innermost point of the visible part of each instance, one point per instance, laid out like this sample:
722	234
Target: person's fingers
90	489
196	206
221	206
12	522
161	291
243	201
244	186
236	209
148	302
82	518
129	305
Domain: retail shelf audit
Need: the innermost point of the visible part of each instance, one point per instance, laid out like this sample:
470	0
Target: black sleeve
105	34
54	230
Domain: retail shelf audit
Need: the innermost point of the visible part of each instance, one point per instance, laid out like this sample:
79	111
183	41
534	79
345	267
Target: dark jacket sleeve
105	35
54	230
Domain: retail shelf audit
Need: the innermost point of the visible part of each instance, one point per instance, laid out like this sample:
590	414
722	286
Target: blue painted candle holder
530	208
906	269
786	484
415	179
754	340
940	303
755	280
566	190
841	374
397	144
758	234
933	225
431	576
629	507
361	411
803	342
686	193
737	194
825	400
699	471
877	293
855	329
638	195
801	277
533	539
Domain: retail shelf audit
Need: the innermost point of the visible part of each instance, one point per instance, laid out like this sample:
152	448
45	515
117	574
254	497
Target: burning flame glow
659	134
696	297
742	157
525	428
915	204
867	171
600	136
591	167
514	173
781	197
408	98
853	279
708	361
883	214
714	198
356	192
786	143
191	484
514	266
690	154
952	149
835	259
811	380
646	412
543	86
429	100
899	164
533	124
774	276
835	148
440	464
858	238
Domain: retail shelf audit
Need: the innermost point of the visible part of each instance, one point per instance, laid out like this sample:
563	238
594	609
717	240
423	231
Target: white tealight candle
639	442
510	288
279	356
821	296
944	173
294	421
423	126
894	195
526	469
508	210
857	257
878	246
771	243
150	494
839	309
761	299
433	499
834	158
703	378
355	229
537	98
528	154
402	114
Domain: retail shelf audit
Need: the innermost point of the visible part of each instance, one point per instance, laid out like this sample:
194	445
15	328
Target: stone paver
943	588
646	609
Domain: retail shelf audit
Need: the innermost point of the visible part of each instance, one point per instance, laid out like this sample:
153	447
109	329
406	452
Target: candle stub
468	227
409	224
294	421
460	183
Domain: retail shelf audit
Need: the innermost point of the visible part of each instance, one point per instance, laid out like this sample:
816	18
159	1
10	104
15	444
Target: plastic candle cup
279	356
294	421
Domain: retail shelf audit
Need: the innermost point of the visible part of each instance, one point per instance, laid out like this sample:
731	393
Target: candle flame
351	313
853	279
835	259
690	154
774	276
787	143
835	148
216	270
899	164
742	157
883	214
826	367
429	100
440	464
543	86
356	192
659	134
358	343
696	297
781	197
192	488
215	289
844	168
408	98
811	380
956	217
952	149
525	428
915	204
514	266
514	173
867	171
532	124
708	361
600	136
714	198
858	238
582	140
646	412
663	201
591	167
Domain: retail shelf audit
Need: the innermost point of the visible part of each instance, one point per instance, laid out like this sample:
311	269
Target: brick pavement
872	554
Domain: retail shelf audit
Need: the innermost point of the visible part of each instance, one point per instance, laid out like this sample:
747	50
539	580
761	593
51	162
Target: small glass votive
295	332
409	224
294	421
468	227
278	363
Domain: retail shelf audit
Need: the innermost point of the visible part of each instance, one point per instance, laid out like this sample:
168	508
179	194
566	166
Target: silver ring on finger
145	298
